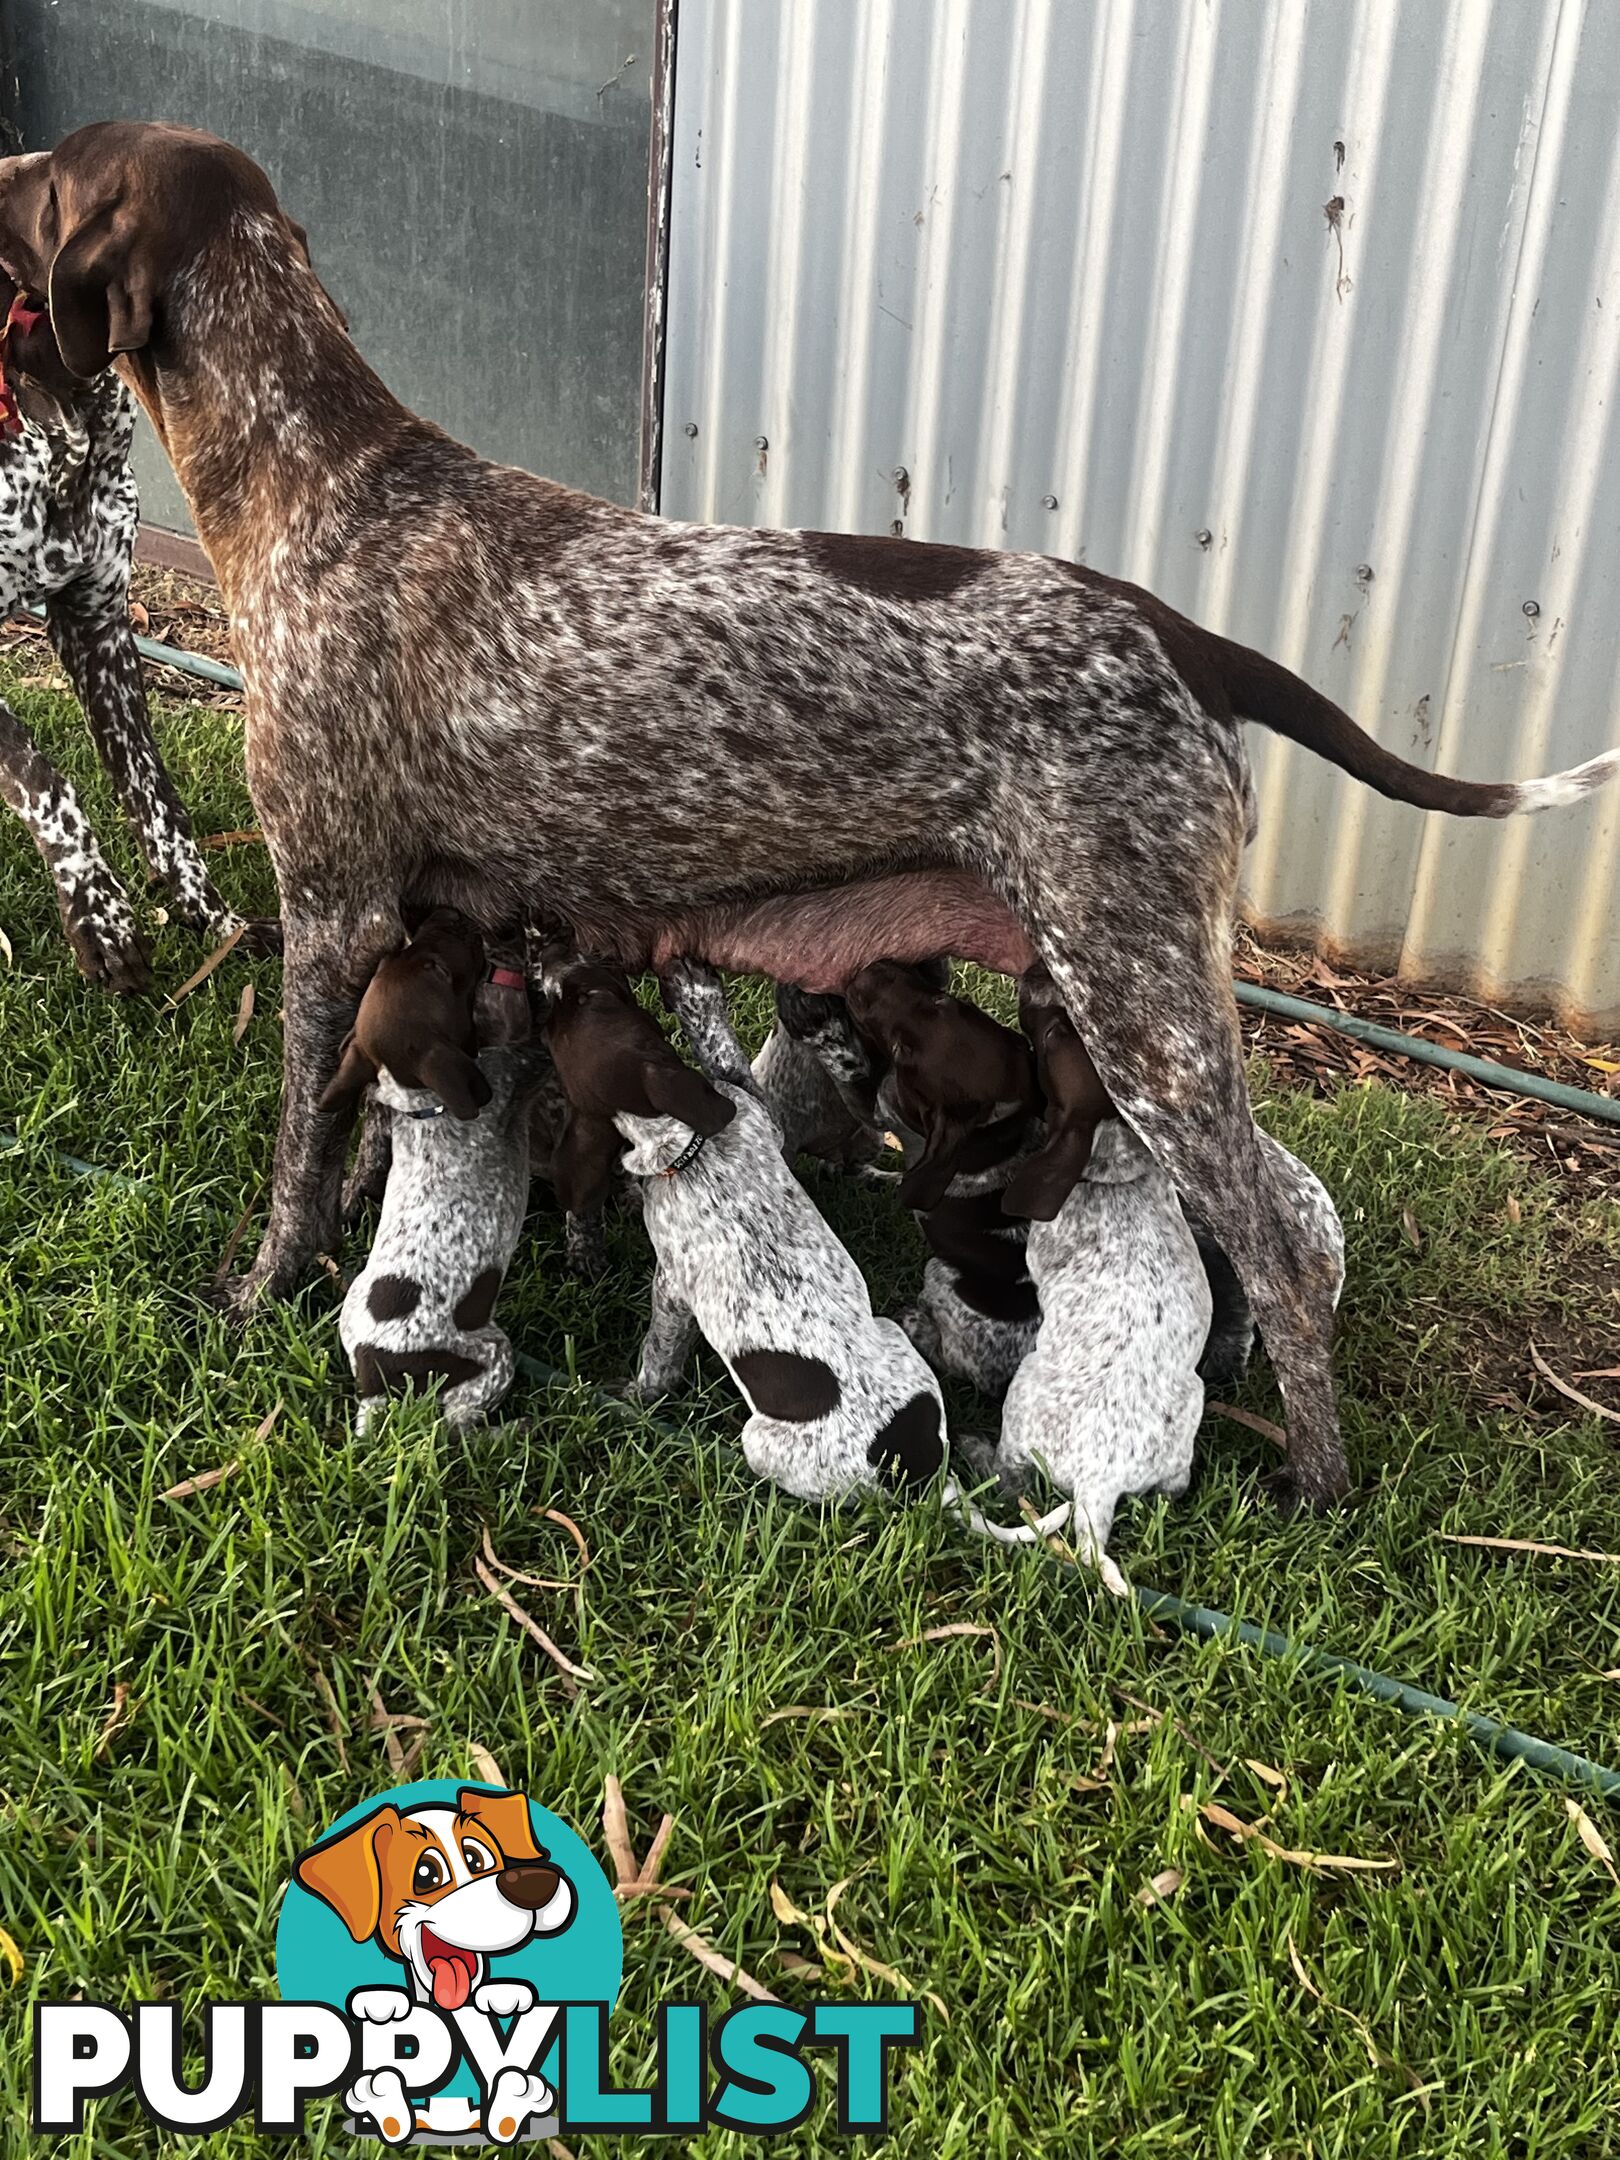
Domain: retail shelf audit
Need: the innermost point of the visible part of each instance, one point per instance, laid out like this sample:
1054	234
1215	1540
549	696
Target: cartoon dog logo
443	1890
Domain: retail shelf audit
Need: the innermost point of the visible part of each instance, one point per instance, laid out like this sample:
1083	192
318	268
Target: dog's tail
1262	690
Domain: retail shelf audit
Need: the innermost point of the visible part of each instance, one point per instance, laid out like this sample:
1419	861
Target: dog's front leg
95	914
329	959
91	633
667	1345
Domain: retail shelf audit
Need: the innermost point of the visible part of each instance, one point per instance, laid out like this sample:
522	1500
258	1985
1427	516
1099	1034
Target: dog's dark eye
431	1874
478	1857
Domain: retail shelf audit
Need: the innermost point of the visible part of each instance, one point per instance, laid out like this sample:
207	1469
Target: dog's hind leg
1146	978
469	1402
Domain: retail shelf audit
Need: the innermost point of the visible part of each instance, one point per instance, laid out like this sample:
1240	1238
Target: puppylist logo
448	1957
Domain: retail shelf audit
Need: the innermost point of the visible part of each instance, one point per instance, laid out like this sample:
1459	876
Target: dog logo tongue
451	1969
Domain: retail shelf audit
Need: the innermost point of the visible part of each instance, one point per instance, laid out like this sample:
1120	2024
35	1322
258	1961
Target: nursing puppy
962	1088
1108	1401
819	1081
839	1400
446	1050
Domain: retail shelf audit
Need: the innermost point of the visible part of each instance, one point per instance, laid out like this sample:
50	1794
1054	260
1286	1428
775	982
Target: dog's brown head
102	225
416	1020
1076	1103
613	1060
952	1065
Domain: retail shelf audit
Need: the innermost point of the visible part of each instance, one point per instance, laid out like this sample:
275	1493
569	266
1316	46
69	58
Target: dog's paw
504	1998
261	934
380	2098
379	2005
1298	1490
109	950
514	2097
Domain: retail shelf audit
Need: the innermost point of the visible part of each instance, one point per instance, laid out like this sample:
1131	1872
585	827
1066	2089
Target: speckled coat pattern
1231	1328
804	1100
743	1255
68	519
796	752
1109	1400
422	1308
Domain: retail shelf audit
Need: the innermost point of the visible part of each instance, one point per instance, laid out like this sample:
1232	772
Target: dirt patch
167	607
1583	1152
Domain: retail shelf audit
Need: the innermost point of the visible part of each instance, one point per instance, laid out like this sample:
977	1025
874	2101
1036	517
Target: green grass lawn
1462	2000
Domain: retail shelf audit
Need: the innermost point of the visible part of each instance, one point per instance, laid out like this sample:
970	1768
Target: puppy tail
1262	690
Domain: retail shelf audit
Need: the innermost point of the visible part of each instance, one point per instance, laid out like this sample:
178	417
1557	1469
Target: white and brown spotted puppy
442	1891
422	1309
840	1400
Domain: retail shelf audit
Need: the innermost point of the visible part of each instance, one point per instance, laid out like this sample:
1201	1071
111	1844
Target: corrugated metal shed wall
1305	315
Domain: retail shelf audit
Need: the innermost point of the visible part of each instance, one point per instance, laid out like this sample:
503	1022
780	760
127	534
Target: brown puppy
416	1020
950	1065
613	1060
1076	1103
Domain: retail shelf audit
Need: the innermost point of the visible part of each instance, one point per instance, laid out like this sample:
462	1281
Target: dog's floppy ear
354	1075
583	1162
505	1815
1041	1184
455	1078
679	1092
924	1185
101	292
346	1872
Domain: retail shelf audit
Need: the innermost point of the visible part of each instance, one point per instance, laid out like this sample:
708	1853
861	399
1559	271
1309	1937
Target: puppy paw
109	950
504	1998
379	2005
380	2098
513	2098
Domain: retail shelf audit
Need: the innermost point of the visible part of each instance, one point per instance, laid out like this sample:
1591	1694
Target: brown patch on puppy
380	1372
952	1064
416	1020
1076	1103
784	1384
894	569
613	1060
478	1300
392	1297
908	1450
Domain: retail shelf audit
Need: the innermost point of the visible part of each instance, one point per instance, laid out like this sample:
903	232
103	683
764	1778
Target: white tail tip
1558	790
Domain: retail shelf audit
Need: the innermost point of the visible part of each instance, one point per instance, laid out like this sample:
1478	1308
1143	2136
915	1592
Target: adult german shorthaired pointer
67	537
794	752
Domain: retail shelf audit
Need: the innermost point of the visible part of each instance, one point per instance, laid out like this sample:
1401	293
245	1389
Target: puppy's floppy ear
101	291
583	1162
679	1092
354	1075
505	1815
1041	1185
924	1185
346	1872
455	1078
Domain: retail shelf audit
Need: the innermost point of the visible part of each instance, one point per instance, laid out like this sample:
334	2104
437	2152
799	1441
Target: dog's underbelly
819	939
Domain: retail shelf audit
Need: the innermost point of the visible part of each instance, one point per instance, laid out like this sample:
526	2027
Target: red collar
20	316
505	978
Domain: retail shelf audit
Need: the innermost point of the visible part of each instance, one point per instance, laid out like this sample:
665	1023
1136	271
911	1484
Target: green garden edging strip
75	1163
1214	1626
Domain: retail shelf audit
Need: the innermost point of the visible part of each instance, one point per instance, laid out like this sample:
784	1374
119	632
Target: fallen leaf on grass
11	1957
244	1013
874	1965
1592	1838
1263	1426
1161	1886
1081	1784
1223	1819
140	616
1267	1776
1376	2055
958	1627
118	1718
1600	1372
1117	1732
706	1954
1530	1545
243	836
1413	1233
531	1627
389	1723
1573	1393
219	954
206	1480
485	1764
1515	1213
